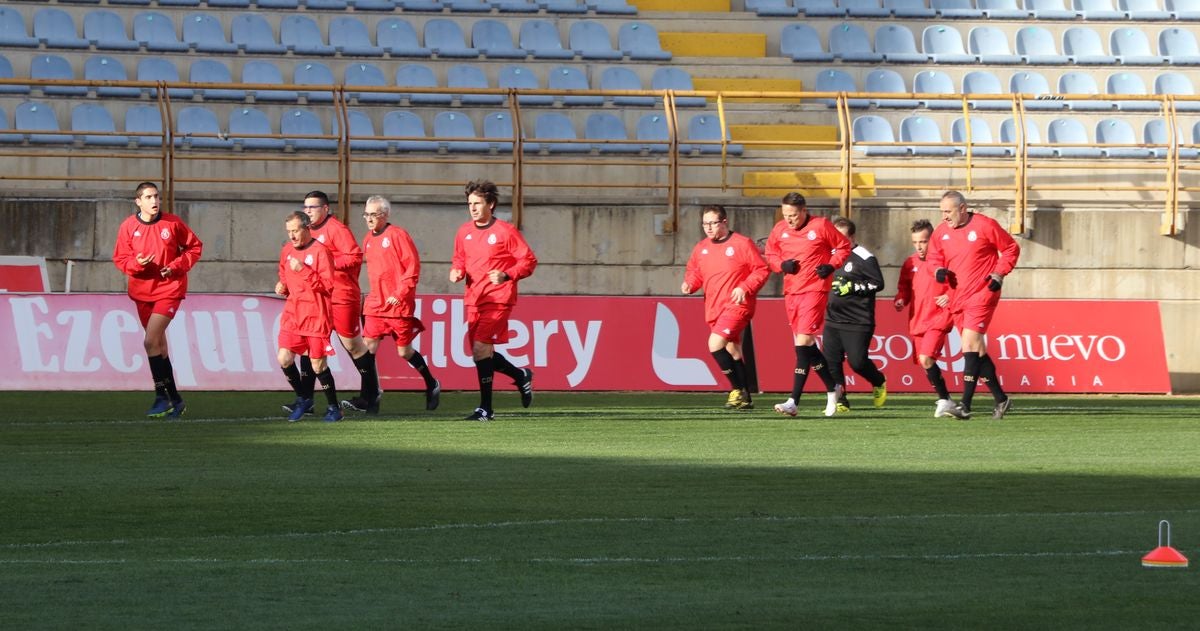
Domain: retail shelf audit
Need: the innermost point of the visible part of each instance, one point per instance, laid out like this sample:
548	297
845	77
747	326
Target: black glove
995	282
824	270
789	266
941	274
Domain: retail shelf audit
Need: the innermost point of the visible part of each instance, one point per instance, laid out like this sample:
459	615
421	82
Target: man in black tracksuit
850	318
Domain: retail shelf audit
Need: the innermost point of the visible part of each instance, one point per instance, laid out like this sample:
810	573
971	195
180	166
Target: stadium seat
1130	83
6	72
897	45
156	32
956	9
523	78
1082	45
1177	84
450	126
1009	135
864	9
301	35
294	124
602	126
56	29
922	129
419	5
873	129
1184	9
324	5
89	117
639	42
590	40
1050	10
248	121
13	31
197	126
498	130
139	3
833	80
420	76
232	4
213	71
493	39
1131	47
367	74
667	78
467	6
909	9
53	67
406	132
469	76
1033	84
885	80
1117	131
570	78
981	134
984	82
105	68
314	73
515	6
203	32
1179	47
802	43
1071	132
386	6
772	8
621	78
819	8
990	46
32	116
849	43
611	7
1155	133
146	121
1002	10
552	126
944	45
277	4
706	130
565	6
445	38
652	128
266	73
1143	10
252	33
399	39
349	36
936	82
1075	82
1036	46
1097	10
540	38
106	31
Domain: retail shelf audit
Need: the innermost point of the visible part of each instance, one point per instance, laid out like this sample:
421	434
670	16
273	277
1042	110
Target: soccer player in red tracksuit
306	271
806	250
728	267
491	256
974	254
393	270
156	250
929	320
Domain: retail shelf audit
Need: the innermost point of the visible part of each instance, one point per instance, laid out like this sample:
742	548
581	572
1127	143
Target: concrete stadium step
814	185
750	85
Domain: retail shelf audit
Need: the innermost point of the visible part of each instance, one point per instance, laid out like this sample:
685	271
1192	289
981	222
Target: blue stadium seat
1118	131
470	76
1035	45
6	72
467	6
922	129
399	39
361	133
652	128
213	71
387	6
772	8
611	7
1129	83
570	78
1143	10
705	129
990	46
419	5
93	118
885	80
602	126
367	74
1177	84
266	73
909	9
39	118
324	5
523	78
498	130
450	126
981	134
590	40
897	45
1083	46
564	6
203	32
105	68
246	122
639	42
1184	9
1009	135
552	126
106	31
420	76
1069	131
936	82
1155	133
53	67
314	73
406	132
349	36
944	45
1097	10
984	82
252	33
540	38
156	32
229	4
820	8
864	9
301	35
56	29
873	129
1002	10
849	43
13	31
495	41
667	78
1034	84
1131	47
146	121
833	80
802	43
445	38
956	9
277	4
515	6
197	126
1050	10
621	78
294	124
1179	47
1075	82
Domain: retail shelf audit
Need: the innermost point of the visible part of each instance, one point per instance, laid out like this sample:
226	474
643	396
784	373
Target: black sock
725	362
168	377
370	377
970	376
987	374
817	361
504	366
486	369
739	373
156	372
803	360
293	376
308	379
937	381
327	386
418	364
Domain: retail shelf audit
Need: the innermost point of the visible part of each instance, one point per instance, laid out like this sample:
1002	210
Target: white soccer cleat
831	399
943	409
787	407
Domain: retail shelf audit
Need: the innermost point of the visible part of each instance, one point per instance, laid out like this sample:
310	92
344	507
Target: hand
294	264
941	274
738	296
456	275
789	266
995	282
942	301
685	288
824	270
899	304
843	287
144	259
497	276
281	289
165	272
391	301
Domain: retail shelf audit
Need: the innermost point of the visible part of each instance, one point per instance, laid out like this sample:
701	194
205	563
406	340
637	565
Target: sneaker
879	395
300	408
160	408
959	412
735	397
831	399
177	409
433	396
359	404
291	407
1001	409
333	414
525	385
787	407
481	414
943	409
843	405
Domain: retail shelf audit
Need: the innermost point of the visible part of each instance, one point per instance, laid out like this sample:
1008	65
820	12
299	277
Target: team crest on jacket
971	236
704	251
812	235
165	234
137	233
729	251
491	239
386	242
308	260
321	238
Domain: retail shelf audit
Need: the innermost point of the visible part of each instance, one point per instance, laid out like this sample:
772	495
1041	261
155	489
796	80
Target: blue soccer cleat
160	408
333	414
177	409
301	407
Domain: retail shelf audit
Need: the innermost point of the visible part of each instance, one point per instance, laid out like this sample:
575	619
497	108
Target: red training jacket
393	269
173	245
815	243
347	258
500	246
309	308
720	267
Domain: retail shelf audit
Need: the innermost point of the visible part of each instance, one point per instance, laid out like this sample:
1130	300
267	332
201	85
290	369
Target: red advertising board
228	342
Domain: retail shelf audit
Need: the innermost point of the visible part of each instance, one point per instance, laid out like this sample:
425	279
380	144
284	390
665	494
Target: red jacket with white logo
920	290
972	251
347	258
172	244
815	243
309	307
393	269
478	251
718	267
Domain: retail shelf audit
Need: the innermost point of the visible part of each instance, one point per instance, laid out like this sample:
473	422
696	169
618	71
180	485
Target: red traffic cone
1164	555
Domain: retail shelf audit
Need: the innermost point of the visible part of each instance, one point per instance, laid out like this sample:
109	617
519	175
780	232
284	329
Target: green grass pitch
594	510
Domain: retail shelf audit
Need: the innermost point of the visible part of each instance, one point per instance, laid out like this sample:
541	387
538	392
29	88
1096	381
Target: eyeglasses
712	224
307	207
372	215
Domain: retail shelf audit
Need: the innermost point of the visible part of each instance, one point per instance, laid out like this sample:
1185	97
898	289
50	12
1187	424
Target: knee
925	361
